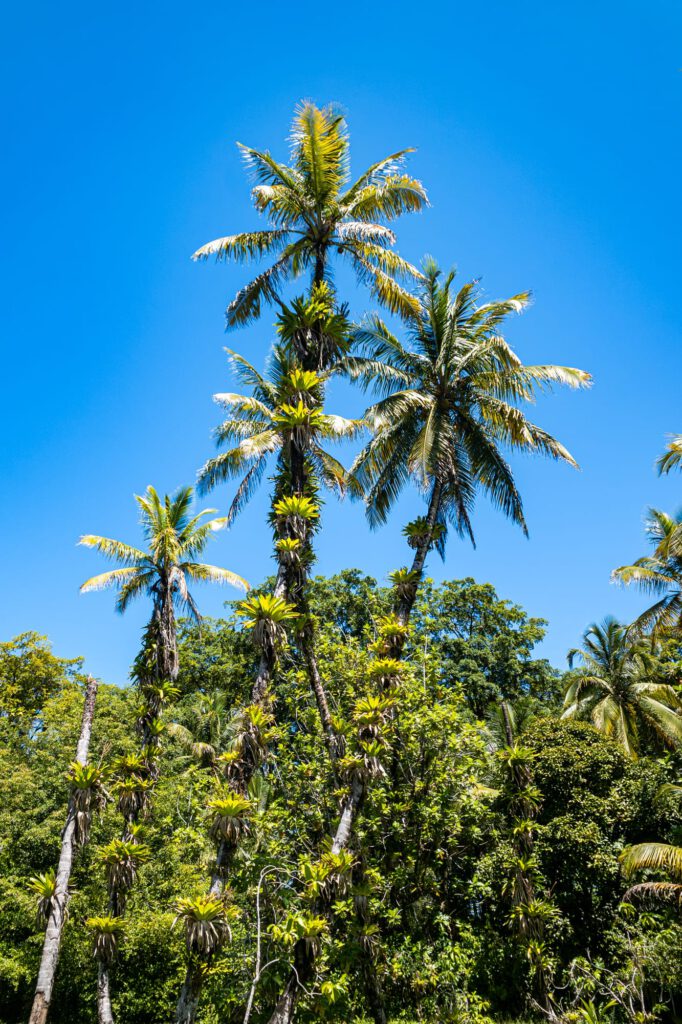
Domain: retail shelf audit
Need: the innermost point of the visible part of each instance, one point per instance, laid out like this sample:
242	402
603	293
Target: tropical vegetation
349	800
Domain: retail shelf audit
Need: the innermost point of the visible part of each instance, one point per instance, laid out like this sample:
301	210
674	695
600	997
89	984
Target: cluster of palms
624	687
447	395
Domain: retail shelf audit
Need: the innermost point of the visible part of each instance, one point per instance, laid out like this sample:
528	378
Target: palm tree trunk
188	1003
104	1014
406	602
284	1010
167	655
55	923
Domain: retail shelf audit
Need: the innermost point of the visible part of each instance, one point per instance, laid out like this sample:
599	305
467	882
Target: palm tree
656	857
175	538
283	406
55	906
282	420
313	210
449	403
659	573
672	456
619	689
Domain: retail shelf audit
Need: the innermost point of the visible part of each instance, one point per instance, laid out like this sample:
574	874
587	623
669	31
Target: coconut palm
654	857
313	210
659	573
619	689
448	406
672	456
175	537
282	410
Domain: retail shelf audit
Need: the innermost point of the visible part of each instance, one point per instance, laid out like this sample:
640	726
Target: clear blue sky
548	136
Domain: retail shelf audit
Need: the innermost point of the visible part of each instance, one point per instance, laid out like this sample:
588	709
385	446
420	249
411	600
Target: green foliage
426	900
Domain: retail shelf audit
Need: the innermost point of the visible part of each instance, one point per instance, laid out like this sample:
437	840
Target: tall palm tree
619	689
313	210
672	456
174	537
659	573
282	420
448	406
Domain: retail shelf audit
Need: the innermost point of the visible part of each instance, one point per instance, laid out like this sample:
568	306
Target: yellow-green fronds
654	857
129	764
302	384
516	756
230	811
404	581
267	615
107	934
132	794
158	696
289	549
206	920
122	859
297	506
44	887
295	927
88	794
372	752
85	776
419	530
330	874
299	421
386	670
369	715
389	626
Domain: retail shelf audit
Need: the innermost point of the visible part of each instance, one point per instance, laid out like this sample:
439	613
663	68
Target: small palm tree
449	406
283	406
313	211
174	537
618	689
659	573
654	857
672	456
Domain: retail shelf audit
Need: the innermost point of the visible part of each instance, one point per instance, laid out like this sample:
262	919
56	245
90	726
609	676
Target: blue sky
548	137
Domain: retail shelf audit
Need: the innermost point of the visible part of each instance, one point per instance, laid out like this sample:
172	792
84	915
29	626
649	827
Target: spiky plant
89	795
133	795
122	860
107	932
267	616
314	211
261	428
44	888
206	920
230	811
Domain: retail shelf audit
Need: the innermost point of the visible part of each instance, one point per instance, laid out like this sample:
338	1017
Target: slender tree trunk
406	603
55	923
104	1014
188	1003
285	1008
167	654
